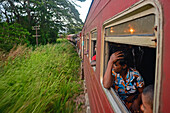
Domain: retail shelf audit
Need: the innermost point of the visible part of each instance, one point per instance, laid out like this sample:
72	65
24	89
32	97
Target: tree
53	16
12	34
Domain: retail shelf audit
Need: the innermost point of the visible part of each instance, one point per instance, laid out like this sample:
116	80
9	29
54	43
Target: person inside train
126	81
93	60
147	99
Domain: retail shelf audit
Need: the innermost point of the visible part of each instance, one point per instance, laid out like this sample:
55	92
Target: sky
84	8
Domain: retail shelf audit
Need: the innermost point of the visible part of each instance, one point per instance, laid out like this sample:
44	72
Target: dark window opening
141	58
93	52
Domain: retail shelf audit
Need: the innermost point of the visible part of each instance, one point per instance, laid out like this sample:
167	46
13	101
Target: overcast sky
84	8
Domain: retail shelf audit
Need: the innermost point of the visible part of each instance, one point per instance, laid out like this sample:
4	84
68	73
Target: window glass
95	35
143	26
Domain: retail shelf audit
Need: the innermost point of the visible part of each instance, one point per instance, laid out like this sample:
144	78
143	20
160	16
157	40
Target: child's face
117	67
146	108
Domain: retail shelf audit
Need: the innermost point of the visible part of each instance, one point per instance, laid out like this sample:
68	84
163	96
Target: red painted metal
100	11
97	98
165	98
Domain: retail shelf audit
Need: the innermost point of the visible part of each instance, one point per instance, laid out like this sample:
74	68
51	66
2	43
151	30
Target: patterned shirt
133	81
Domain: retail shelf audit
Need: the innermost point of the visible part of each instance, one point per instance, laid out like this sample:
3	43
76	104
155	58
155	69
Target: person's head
147	99
95	47
121	64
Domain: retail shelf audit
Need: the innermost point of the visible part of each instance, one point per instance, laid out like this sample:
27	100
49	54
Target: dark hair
125	60
149	92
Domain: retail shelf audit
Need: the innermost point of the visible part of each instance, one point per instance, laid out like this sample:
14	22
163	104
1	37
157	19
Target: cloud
83	10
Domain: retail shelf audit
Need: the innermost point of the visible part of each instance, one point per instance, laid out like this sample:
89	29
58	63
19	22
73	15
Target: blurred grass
43	80
60	40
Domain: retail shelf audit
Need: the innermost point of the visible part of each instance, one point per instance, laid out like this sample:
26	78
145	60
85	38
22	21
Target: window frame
122	17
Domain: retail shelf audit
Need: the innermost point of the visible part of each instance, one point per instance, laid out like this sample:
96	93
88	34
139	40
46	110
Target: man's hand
116	56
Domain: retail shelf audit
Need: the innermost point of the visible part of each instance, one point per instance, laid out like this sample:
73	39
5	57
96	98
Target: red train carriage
70	37
142	25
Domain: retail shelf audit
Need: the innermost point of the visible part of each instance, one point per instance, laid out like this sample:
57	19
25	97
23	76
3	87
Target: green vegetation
43	80
53	16
12	34
60	40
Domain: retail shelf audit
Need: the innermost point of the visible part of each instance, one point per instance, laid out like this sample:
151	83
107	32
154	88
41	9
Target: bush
12	34
43	80
60	40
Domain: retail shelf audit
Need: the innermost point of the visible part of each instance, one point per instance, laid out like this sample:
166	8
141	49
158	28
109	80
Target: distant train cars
143	27
72	38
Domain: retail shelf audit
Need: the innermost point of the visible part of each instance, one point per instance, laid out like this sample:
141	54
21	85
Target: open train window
138	31
93	43
141	58
93	50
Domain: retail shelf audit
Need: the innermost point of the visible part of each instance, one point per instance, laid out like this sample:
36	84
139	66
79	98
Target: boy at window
93	60
147	99
125	80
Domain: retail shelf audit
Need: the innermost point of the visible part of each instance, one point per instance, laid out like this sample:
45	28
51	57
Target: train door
137	30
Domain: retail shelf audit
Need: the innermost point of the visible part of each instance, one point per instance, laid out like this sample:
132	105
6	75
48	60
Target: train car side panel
98	100
166	57
102	10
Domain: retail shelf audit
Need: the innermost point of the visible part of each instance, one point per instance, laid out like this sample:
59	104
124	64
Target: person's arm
136	104
108	78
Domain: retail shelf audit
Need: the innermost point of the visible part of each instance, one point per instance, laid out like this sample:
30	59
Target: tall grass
43	80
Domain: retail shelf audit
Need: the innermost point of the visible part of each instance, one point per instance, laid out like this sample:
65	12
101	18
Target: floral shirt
133	81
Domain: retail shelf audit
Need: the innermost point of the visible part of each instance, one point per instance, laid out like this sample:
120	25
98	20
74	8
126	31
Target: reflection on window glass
94	35
140	26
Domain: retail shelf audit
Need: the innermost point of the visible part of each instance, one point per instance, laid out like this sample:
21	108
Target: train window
93	52
143	26
93	43
93	48
140	58
134	31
